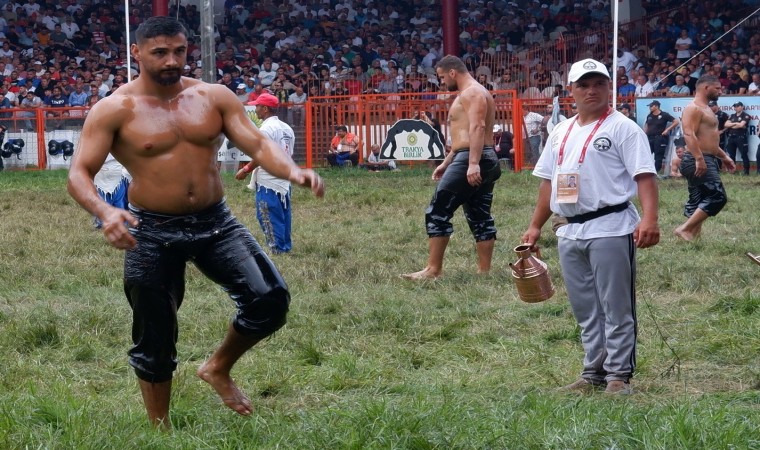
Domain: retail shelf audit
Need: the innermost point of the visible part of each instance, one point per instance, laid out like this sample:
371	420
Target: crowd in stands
73	52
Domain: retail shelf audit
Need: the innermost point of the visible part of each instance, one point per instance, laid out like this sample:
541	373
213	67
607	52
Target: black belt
581	218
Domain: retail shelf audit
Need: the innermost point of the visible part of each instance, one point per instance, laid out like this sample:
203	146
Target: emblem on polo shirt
602	144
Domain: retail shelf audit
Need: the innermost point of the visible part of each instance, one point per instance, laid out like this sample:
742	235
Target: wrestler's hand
309	179
700	168
473	175
115	231
241	174
729	165
531	236
646	234
438	172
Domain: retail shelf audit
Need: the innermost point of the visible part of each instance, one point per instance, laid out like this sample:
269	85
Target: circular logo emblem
602	144
589	65
411	139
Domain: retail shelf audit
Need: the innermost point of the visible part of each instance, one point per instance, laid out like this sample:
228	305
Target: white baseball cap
585	67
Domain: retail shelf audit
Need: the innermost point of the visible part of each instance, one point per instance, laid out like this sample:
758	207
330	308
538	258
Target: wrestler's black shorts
453	191
154	281
706	192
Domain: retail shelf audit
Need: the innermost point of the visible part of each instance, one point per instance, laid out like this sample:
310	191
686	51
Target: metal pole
208	50
129	50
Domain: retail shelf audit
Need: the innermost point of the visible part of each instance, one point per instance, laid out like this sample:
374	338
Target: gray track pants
600	278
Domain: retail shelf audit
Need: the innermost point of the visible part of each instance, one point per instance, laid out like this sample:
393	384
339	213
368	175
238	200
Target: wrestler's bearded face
162	58
447	79
713	91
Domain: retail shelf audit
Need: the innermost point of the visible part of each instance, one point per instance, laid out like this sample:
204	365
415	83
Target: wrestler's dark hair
450	62
159	26
707	79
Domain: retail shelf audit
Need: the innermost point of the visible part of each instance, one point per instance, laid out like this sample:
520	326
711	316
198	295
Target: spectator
267	73
297	100
69	27
754	87
680	89
343	148
643	88
625	88
533	126
503	141
5	103
78	97
373	162
240	92
227	82
257	90
683	45
29	102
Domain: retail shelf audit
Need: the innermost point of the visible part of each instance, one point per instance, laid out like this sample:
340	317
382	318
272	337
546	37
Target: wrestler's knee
483	231
715	203
263	315
438	215
154	374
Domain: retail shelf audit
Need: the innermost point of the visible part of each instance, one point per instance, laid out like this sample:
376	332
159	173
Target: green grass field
368	361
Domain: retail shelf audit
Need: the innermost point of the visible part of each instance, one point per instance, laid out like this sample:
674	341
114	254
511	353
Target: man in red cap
272	194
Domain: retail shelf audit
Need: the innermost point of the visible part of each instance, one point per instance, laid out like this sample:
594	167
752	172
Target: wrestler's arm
95	142
692	117
476	106
438	172
239	129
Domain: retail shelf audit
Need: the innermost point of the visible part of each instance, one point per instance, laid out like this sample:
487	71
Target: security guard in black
657	129
737	138
722	118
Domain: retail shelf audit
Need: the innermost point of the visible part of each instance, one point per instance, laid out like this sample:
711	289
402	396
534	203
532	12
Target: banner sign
412	140
676	105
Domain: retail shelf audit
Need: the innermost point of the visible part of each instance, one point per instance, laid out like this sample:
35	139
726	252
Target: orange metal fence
44	133
370	116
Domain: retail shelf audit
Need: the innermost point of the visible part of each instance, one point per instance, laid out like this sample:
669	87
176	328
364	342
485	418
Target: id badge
568	186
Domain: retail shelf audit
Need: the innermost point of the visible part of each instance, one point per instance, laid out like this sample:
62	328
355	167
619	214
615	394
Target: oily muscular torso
707	133
459	122
169	147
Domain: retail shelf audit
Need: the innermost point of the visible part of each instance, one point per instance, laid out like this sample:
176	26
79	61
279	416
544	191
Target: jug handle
535	249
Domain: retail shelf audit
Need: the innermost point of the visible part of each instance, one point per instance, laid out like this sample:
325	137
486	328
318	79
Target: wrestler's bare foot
685	235
425	274
228	391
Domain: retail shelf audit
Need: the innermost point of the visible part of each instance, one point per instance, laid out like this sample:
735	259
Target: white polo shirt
618	151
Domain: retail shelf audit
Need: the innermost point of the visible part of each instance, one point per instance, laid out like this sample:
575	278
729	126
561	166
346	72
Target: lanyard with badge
568	182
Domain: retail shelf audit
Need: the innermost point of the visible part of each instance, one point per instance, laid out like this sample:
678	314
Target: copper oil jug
531	275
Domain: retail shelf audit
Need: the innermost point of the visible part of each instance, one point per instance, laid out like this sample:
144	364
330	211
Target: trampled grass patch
368	360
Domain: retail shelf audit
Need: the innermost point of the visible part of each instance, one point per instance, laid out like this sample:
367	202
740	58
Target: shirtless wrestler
165	129
467	175
700	164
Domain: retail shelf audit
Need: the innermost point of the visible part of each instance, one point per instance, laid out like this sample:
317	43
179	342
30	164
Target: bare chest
456	112
156	128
